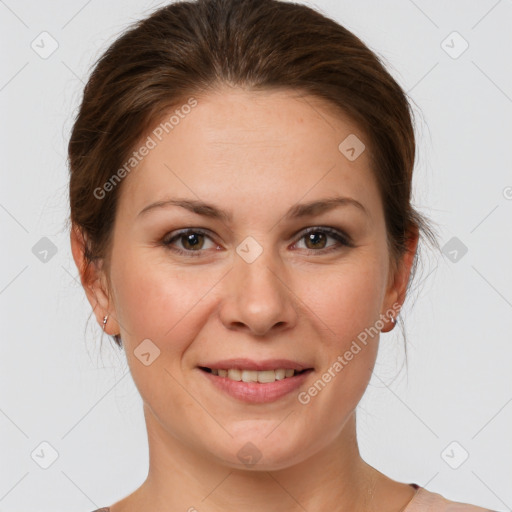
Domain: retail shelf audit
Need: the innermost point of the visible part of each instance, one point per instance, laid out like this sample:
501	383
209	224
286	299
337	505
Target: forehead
239	146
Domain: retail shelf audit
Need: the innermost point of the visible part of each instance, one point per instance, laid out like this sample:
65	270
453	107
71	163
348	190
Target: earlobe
88	272
392	322
407	263
398	289
91	277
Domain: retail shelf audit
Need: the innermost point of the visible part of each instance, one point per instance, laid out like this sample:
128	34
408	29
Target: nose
257	299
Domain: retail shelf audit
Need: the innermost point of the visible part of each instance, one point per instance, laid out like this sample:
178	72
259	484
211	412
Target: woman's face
248	282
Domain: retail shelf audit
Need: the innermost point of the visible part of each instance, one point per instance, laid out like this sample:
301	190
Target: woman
242	222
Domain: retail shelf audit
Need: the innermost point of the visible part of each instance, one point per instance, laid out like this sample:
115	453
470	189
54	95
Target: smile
263	377
256	386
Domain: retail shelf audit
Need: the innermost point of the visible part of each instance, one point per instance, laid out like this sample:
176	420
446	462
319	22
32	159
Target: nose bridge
256	297
259	275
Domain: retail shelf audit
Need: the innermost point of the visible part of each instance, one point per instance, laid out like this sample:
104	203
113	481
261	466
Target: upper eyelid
330	231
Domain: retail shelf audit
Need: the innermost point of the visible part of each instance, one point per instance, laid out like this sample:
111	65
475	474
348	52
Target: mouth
256	382
259	376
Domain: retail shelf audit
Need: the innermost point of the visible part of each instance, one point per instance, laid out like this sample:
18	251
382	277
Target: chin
261	452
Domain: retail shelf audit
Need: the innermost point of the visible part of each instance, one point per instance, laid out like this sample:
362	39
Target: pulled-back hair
189	48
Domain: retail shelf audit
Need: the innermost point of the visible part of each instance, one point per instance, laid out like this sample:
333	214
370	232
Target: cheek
152	297
346	303
162	303
346	298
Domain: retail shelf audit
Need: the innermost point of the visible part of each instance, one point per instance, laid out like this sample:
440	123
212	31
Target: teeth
266	376
250	376
280	374
255	376
234	374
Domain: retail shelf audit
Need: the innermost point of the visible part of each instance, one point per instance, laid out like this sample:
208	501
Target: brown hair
192	47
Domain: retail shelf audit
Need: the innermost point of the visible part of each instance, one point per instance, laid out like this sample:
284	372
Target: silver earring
105	318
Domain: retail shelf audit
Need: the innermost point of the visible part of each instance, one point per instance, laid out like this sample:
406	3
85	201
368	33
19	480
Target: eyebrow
297	211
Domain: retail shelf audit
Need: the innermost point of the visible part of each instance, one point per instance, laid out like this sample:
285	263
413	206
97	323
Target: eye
192	241
316	239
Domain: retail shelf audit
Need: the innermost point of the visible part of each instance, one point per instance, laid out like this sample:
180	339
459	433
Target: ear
397	286
94	283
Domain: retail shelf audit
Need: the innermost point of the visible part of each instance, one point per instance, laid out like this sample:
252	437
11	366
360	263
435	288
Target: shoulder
426	501
104	509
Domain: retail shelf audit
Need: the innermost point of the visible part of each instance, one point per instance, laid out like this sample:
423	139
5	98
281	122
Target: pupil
315	238
192	239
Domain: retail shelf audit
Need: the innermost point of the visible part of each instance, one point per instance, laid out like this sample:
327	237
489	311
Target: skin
255	155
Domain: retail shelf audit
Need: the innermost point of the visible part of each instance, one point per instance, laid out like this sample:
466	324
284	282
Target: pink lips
256	392
249	364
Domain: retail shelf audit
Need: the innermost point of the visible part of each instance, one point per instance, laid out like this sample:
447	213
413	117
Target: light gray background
58	386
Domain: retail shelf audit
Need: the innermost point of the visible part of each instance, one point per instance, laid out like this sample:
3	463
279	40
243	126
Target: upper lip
249	364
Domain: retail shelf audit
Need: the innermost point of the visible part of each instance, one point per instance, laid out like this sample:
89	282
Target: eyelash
342	239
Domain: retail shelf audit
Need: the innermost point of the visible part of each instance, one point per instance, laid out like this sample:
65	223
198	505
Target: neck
179	478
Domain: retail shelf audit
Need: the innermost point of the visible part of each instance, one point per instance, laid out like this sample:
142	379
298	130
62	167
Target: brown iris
193	240
316	238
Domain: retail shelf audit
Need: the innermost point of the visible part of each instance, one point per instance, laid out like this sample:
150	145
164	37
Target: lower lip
255	392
